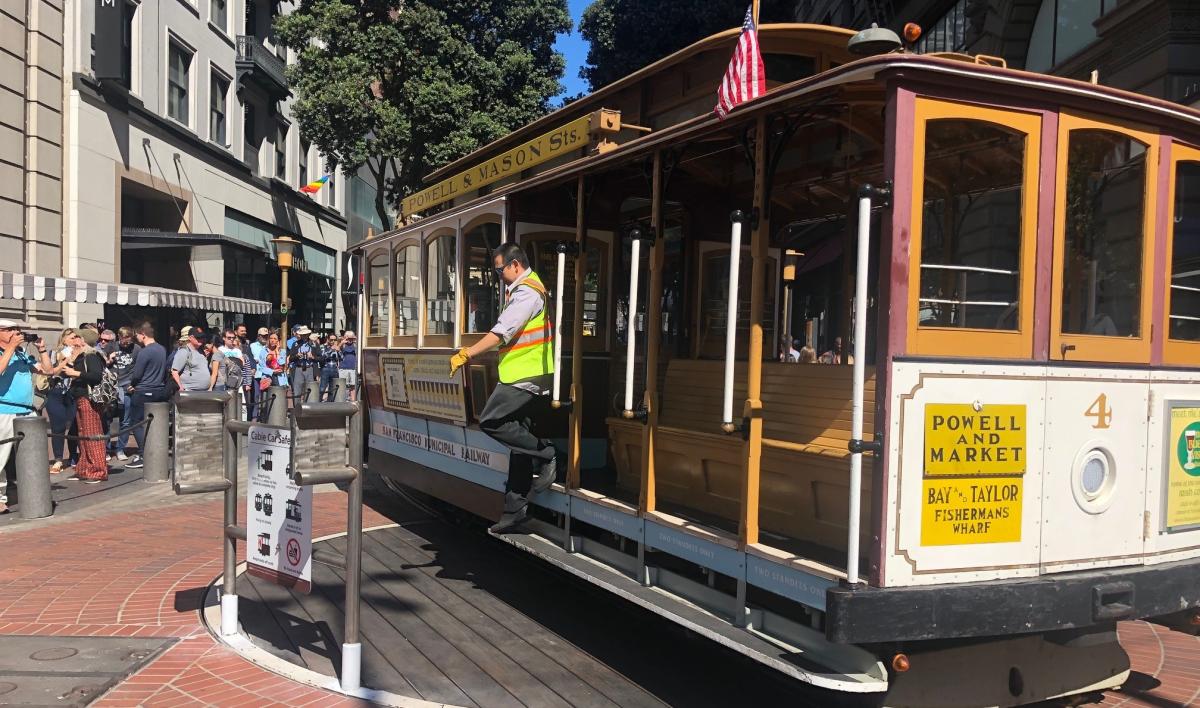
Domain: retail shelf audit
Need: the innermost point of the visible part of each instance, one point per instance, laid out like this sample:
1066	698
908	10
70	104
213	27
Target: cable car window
1185	255
482	284
439	284
1104	240
408	289
971	225
378	296
544	259
714	302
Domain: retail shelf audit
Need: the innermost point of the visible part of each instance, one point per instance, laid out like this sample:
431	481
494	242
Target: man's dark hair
511	252
146	330
228	332
239	324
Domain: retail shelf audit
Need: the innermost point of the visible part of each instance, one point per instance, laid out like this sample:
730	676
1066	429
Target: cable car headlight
1093	478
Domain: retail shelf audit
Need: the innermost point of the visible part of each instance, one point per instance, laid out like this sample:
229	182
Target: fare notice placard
278	512
973	473
1183	467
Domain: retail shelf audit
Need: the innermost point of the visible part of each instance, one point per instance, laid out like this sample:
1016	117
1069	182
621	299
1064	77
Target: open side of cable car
892	373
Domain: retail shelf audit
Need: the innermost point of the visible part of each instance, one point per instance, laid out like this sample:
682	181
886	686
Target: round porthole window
1093	478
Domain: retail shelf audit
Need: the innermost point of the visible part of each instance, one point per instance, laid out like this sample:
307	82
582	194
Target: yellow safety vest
530	352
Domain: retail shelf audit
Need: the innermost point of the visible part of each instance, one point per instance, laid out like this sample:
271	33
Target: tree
403	86
625	35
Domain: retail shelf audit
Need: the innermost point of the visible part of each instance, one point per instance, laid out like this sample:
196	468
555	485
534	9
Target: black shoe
548	474
135	462
516	511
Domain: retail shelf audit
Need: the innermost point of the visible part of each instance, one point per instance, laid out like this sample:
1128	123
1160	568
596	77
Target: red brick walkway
144	573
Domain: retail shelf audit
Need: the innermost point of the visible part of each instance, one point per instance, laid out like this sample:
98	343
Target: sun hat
303	331
11	324
263	332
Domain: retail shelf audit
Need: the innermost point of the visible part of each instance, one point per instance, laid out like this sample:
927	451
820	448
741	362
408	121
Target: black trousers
507	419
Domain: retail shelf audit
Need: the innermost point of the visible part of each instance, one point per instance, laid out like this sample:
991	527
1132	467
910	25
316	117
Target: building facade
182	164
31	147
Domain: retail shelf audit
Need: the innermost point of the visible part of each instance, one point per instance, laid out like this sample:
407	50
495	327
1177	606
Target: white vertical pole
460	251
860	369
630	324
558	301
735	259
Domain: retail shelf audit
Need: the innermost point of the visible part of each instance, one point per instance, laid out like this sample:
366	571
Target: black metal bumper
864	614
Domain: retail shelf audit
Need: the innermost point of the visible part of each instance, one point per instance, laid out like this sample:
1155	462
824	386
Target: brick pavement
141	569
143	574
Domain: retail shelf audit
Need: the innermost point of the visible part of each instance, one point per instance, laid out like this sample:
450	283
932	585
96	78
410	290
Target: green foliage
405	86
625	35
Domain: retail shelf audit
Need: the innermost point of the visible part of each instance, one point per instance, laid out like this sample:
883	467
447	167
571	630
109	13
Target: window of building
219	14
439	285
1184	287
303	162
179	82
128	45
281	152
331	189
1061	29
377	289
251	18
217	120
971	226
1104	240
408	290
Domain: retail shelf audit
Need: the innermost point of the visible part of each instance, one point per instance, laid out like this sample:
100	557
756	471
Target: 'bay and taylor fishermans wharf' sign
974	473
558	142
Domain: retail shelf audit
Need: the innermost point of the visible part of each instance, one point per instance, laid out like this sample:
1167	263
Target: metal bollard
157	456
339	390
33	478
312	392
277	413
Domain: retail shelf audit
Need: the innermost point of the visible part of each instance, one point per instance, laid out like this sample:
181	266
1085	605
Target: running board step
803	666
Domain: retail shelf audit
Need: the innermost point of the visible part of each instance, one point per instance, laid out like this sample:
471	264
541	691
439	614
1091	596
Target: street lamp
285	249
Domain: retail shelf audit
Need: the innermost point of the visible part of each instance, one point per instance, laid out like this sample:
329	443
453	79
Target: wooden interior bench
805	464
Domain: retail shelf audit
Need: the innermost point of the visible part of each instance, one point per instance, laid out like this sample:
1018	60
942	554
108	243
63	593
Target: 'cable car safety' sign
974	466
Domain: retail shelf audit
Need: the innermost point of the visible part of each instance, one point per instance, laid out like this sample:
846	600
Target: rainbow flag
315	186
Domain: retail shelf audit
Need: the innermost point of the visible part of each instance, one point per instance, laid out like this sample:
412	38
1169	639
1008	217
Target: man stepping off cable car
526	367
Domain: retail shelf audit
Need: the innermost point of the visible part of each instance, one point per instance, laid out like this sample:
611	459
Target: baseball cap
263	331
11	324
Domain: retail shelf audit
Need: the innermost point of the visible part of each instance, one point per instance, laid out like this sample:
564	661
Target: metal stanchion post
156	456
339	389
33	482
351	646
277	414
229	453
312	392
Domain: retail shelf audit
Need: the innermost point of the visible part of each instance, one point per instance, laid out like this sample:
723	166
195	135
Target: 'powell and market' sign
560	141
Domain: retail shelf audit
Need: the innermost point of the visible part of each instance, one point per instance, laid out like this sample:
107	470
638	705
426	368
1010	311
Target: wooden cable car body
1029	370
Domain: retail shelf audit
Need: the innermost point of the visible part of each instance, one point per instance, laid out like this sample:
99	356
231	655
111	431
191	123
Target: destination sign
960	440
560	141
959	511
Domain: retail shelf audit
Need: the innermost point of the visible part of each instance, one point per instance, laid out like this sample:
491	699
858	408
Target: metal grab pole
33	483
856	411
556	397
229	596
156	456
635	255
735	262
351	645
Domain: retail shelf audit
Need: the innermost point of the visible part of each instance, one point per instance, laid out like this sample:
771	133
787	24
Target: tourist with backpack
232	365
93	387
190	367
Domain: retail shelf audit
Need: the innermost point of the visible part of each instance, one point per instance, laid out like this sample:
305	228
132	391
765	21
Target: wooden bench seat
804	488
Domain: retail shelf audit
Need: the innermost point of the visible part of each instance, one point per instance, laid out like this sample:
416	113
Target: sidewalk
139	568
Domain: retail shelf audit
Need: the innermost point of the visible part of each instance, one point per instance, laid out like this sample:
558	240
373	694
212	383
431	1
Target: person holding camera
17	368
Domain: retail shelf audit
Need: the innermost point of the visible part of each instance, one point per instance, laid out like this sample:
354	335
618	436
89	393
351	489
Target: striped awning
22	286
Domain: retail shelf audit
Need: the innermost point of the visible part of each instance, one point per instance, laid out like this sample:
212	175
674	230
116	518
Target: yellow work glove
459	359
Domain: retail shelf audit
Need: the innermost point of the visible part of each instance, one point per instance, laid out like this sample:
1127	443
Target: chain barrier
111	436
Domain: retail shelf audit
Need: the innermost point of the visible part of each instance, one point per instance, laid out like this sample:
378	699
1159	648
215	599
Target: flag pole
754	12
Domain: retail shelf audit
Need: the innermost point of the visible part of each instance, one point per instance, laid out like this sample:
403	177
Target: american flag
745	79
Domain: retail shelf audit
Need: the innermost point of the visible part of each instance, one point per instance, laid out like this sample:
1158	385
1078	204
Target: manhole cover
54	654
6	687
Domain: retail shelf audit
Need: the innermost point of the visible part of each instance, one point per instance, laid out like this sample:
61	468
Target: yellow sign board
960	511
421	384
974	464
560	141
960	440
1183	468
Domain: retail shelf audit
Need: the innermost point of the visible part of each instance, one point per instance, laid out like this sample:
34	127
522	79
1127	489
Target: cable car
887	381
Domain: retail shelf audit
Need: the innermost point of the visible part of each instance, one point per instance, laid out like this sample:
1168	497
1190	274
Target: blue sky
575	49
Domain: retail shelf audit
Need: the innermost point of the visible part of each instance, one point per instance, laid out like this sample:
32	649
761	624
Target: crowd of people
789	354
95	379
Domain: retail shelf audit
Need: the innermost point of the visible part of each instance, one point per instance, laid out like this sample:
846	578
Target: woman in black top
86	369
